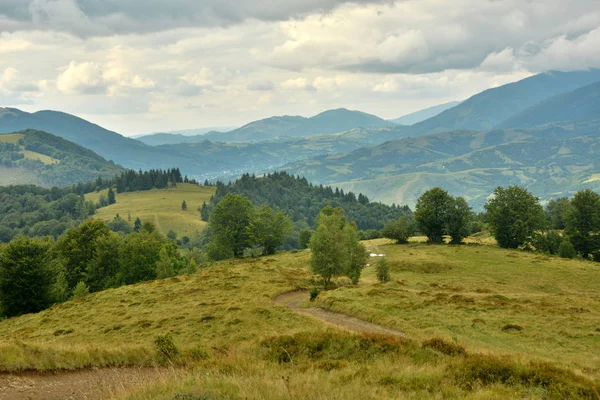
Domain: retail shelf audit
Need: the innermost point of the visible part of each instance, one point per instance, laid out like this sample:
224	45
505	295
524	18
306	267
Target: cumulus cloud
92	78
186	63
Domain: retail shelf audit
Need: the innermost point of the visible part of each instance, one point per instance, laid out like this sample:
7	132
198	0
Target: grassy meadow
483	323
160	206
13	138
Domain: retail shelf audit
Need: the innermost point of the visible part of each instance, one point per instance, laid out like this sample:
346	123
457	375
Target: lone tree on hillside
25	280
431	214
513	215
583	223
335	247
184	206
137	225
204	213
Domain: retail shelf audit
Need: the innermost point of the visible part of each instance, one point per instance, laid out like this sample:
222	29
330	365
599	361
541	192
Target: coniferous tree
137	225
111	197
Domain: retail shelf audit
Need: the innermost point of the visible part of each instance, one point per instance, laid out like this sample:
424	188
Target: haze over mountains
541	132
422	115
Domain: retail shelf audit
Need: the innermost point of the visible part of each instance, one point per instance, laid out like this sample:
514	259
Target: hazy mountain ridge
327	122
422	115
486	110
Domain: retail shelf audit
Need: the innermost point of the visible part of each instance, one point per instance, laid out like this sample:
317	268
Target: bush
166	348
383	270
314	293
81	290
444	347
399	230
547	242
566	249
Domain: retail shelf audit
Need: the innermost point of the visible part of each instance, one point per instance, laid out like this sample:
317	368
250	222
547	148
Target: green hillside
551	161
161	207
35	157
235	341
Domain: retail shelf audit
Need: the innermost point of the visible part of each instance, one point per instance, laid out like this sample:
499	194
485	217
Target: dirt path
92	384
294	299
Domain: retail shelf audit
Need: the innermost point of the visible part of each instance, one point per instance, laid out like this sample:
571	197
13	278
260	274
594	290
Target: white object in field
377	255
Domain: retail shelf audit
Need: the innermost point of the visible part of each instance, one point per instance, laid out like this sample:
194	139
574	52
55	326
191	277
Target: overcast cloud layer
145	65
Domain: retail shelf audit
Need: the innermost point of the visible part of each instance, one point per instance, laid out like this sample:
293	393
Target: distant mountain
190	132
158	139
487	109
551	161
328	122
110	145
36	157
422	115
579	105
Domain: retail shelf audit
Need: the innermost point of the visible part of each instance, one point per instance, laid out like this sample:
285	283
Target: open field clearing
160	206
235	341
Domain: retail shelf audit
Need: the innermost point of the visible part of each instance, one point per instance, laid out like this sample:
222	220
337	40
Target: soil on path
294	300
92	384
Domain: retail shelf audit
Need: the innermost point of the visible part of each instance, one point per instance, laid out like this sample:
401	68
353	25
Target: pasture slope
160	206
481	323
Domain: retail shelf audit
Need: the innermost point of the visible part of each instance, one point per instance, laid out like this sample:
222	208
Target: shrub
444	347
399	230
314	293
383	270
81	290
166	348
566	249
547	242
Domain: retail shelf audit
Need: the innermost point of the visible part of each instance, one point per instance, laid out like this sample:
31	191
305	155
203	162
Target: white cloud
297	84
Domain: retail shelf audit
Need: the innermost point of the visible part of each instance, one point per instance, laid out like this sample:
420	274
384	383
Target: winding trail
293	300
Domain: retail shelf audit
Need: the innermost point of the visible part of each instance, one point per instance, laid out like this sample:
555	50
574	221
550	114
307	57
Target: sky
140	66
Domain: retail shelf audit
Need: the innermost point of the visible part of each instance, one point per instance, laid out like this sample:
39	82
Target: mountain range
493	138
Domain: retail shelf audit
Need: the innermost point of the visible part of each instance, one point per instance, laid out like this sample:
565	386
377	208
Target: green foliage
111	197
204	212
304	238
60	288
566	249
444	347
230	220
513	215
314	293
139	254
431	214
546	241
137	225
25	280
184	205
166	348
302	201
583	223
105	263
268	229
400	229
77	247
35	211
81	290
335	247
382	270
458	220
172	235
557	212
119	225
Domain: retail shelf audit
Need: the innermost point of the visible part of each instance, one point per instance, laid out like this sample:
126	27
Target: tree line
38	272
302	201
514	217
